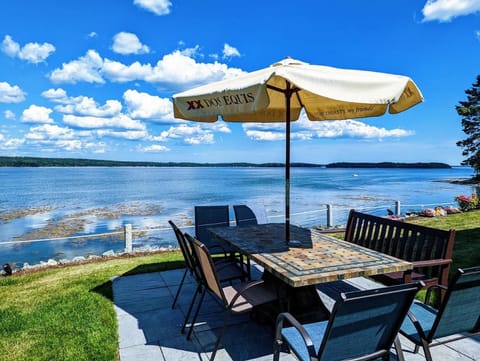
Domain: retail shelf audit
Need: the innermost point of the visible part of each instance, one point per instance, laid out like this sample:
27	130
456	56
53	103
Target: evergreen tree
469	110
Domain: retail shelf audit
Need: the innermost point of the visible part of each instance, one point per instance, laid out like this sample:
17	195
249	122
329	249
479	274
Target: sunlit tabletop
317	259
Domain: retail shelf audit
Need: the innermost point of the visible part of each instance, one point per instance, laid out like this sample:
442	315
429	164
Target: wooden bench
429	249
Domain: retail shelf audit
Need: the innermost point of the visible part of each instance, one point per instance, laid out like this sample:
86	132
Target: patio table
318	258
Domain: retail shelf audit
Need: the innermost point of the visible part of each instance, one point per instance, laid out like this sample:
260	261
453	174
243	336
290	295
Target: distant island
78	162
388	165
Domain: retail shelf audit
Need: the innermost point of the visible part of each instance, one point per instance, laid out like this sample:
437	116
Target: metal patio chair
237	298
363	326
244	215
458	314
208	217
228	270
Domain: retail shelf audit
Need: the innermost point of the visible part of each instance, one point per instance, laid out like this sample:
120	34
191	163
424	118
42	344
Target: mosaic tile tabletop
318	258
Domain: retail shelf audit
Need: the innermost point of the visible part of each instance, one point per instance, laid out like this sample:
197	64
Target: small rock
108	253
52	262
78	259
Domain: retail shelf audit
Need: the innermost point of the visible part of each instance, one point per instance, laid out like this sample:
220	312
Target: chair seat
296	342
425	315
250	298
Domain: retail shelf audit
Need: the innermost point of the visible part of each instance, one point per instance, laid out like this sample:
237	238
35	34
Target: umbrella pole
288	95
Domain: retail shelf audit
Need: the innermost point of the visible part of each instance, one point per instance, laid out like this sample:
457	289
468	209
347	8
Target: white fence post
329	216
128	237
397	208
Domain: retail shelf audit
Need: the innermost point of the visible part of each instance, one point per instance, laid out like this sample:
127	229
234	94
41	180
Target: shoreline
464	181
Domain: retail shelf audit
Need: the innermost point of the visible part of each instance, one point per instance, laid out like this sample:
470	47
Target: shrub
467	203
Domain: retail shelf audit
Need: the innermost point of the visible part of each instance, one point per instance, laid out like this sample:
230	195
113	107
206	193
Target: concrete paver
149	329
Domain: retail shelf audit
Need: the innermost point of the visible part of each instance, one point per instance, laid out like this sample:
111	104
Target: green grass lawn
67	313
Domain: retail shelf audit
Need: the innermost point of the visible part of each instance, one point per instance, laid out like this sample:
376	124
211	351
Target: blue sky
94	79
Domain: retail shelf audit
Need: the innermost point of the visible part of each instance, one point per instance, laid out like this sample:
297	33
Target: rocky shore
10	269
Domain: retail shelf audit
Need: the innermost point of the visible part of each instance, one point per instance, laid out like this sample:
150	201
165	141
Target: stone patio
150	330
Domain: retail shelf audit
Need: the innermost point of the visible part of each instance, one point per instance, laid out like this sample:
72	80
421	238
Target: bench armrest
431	262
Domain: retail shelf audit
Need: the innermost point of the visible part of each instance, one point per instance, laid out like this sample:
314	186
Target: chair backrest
207	267
244	216
366	322
460	309
184	247
208	217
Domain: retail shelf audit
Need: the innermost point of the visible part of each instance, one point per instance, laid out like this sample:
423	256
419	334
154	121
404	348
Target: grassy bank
67	313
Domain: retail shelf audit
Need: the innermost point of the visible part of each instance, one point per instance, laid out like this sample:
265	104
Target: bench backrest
399	239
404	240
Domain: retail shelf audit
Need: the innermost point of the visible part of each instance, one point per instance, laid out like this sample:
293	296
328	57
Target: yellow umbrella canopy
279	92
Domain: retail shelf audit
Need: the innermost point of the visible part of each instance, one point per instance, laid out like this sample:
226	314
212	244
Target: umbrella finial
288	60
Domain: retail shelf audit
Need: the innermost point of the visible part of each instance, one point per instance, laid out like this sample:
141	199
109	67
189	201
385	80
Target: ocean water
44	205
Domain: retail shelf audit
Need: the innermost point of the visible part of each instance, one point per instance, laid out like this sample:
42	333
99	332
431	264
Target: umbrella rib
291	90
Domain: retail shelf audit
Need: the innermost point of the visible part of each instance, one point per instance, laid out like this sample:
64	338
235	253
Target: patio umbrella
279	93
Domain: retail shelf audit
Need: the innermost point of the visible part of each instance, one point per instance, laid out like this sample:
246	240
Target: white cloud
69	145
477	34
120	121
220	127
446	10
36	114
146	106
8	114
128	43
87	68
58	95
191	52
181	70
12	143
158	7
264	135
96	147
82	105
11	93
50	132
155	148
229	51
89	107
10	47
129	135
304	129
189	134
174	70
92	34
119	72
54	136
31	52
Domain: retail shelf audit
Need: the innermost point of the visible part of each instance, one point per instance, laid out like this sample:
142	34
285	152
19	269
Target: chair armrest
429	292
285	316
431	262
242	291
215	246
417	325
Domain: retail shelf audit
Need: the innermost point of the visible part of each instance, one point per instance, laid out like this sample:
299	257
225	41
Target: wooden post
128	238
329	216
